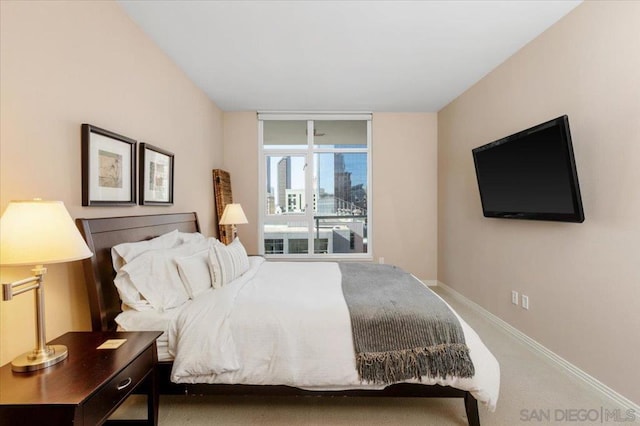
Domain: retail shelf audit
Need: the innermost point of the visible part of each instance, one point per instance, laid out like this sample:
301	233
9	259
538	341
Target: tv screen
530	175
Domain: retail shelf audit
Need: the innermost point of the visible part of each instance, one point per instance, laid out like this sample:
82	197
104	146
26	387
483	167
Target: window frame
308	152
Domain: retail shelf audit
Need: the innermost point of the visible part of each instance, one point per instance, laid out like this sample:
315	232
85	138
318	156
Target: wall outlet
525	301
381	260
514	297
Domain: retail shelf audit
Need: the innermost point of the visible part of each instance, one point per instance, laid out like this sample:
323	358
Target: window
316	179
298	246
273	246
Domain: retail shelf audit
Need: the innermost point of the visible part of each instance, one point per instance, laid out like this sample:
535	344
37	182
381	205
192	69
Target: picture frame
156	176
108	168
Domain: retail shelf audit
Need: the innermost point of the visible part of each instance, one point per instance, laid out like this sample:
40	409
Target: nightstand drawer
100	405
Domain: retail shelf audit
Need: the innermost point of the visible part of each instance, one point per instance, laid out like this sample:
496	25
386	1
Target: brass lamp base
37	360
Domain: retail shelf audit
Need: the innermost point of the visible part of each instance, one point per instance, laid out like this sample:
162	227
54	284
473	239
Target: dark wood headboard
103	233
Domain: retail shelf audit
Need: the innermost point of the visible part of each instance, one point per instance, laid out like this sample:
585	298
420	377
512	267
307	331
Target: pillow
154	275
232	260
126	252
194	272
189	237
128	293
214	266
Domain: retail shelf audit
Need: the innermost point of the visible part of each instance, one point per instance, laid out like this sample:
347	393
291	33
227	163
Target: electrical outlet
381	260
525	301
514	297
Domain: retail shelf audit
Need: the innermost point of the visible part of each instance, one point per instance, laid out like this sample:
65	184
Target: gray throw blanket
401	330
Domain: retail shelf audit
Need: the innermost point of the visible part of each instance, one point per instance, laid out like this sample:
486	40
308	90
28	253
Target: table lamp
233	215
38	232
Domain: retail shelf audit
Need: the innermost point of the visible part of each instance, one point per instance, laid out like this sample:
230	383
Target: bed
102	234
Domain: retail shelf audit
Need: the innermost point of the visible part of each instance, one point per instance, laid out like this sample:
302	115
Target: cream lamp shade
233	215
38	232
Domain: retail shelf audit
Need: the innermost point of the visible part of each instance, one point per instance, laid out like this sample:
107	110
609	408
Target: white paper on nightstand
112	344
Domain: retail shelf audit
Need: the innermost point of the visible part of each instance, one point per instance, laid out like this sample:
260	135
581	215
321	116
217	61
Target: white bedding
152	320
286	323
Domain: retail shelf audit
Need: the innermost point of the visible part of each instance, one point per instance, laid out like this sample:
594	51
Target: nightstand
88	386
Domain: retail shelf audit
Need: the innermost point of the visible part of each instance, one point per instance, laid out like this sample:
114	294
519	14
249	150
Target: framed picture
156	176
108	168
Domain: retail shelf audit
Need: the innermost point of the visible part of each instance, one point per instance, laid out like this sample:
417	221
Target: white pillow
126	252
129	295
189	237
194	272
214	266
232	260
154	275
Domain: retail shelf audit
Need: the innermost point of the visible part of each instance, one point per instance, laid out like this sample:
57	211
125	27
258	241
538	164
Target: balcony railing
341	217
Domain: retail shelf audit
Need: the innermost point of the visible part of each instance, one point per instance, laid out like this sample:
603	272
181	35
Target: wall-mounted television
530	175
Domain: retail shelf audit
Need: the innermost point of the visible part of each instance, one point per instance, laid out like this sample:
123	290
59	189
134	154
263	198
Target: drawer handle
123	384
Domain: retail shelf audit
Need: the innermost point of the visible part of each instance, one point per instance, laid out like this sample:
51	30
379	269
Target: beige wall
66	63
404	185
241	161
405	173
583	280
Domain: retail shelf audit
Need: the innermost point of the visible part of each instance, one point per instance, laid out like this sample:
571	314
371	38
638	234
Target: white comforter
287	323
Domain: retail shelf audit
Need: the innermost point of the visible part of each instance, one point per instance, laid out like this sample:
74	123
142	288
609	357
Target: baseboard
430	283
594	383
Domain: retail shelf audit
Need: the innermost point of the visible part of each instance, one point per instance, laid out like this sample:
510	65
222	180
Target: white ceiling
341	55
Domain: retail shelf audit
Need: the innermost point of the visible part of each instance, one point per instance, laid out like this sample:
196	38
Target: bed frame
103	233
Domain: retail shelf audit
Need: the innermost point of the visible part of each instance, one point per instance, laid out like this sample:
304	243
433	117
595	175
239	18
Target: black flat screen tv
530	175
